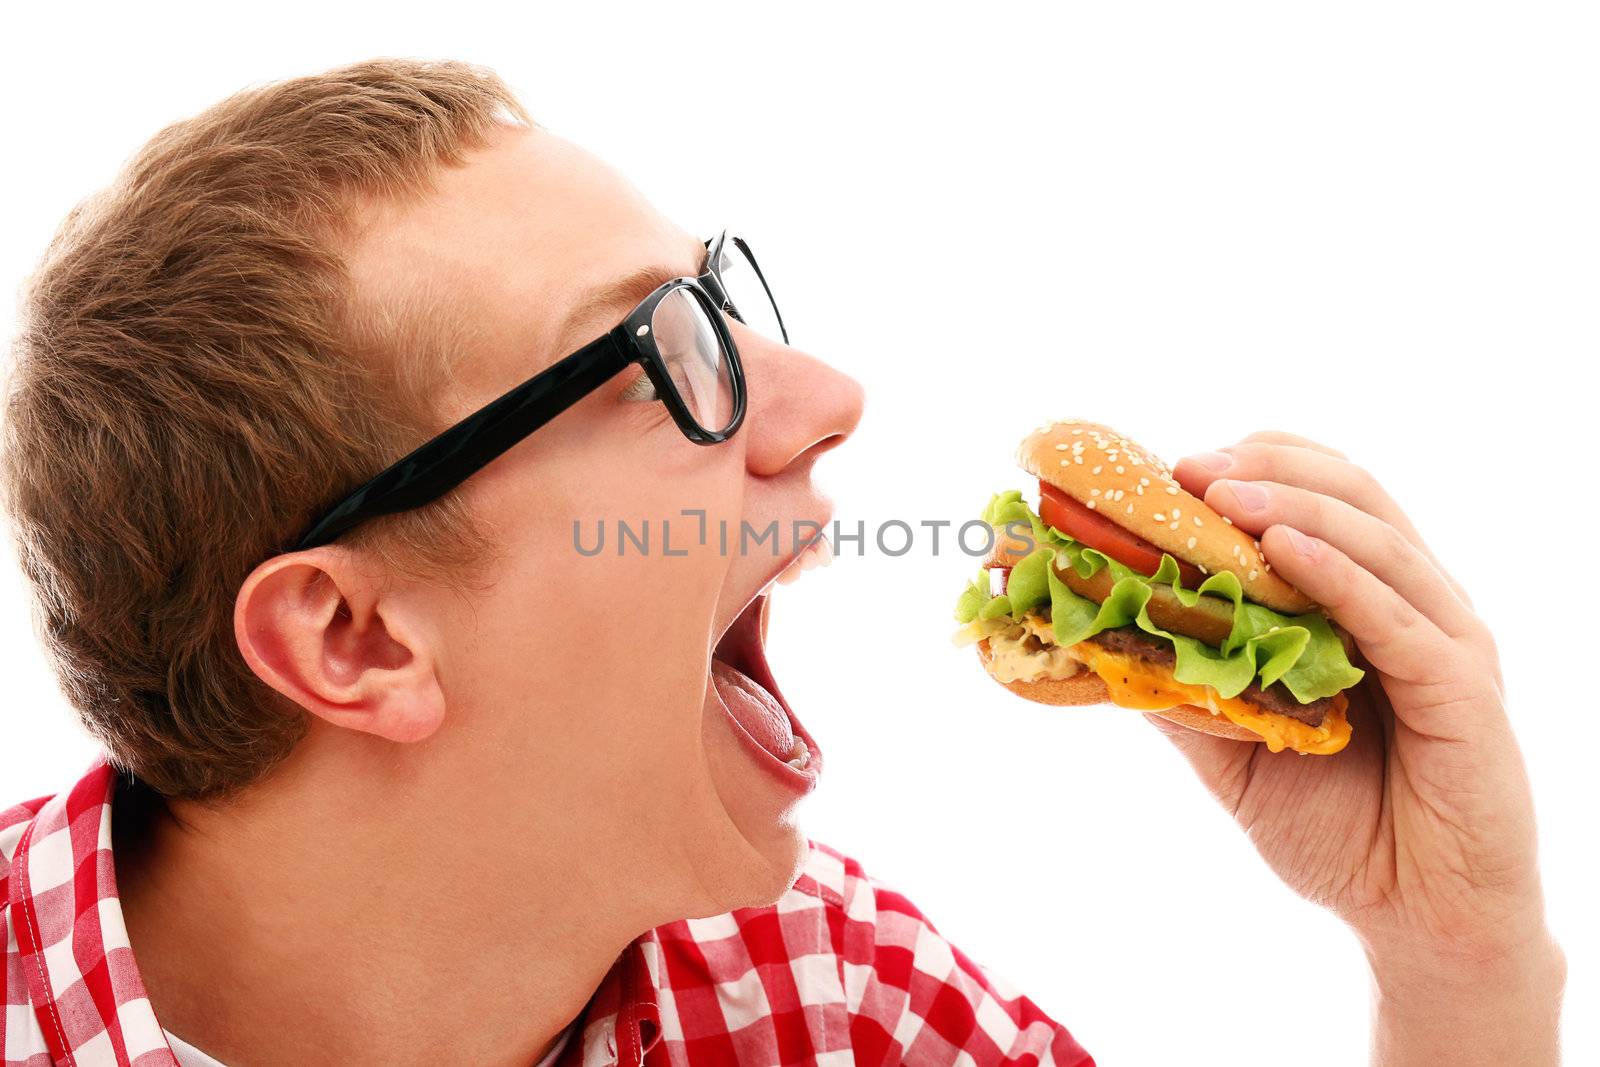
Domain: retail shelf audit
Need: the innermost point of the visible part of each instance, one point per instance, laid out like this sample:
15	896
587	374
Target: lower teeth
802	758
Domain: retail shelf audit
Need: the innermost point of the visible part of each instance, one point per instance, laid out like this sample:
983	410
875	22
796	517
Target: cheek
606	632
599	695
605	598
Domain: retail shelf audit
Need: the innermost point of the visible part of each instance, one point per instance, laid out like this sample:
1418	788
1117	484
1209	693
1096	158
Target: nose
797	406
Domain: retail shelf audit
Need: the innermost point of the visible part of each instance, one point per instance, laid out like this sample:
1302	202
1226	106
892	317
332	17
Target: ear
340	643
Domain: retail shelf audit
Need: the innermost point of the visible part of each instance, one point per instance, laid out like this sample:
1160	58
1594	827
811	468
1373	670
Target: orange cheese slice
1136	683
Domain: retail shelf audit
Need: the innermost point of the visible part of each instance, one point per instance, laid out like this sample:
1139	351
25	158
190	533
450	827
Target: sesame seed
1094	492
1139	489
1112	456
1097	470
1091	505
1063	463
1202	567
1192	542
1176	512
1173	525
1121	469
1172	489
1144	481
1061	447
1197	521
1130	509
1227	520
1160	516
1075	433
1119	493
1235	550
1075	459
1253	573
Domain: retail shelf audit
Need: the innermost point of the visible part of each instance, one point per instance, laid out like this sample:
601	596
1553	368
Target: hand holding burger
1419	834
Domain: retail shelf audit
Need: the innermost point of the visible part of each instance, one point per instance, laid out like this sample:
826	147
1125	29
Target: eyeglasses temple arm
435	468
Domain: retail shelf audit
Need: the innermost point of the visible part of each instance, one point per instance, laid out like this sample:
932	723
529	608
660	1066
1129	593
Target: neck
318	925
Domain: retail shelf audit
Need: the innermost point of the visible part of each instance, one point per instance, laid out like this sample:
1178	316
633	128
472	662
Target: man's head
283	296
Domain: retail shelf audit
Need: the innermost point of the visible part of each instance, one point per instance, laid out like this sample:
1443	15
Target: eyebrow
623	292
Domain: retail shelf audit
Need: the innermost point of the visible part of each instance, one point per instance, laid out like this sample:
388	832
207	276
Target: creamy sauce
1018	656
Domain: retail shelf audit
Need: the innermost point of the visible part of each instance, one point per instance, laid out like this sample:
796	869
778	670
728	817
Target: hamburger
1121	587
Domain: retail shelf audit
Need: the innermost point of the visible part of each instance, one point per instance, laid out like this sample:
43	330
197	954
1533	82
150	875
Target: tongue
755	709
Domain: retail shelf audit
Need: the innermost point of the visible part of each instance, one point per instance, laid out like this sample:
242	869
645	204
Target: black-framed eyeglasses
678	334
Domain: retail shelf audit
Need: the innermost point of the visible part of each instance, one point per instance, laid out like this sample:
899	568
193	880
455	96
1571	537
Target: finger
1320	472
1309	468
1373	544
1436	687
1397	639
1278	437
1196	472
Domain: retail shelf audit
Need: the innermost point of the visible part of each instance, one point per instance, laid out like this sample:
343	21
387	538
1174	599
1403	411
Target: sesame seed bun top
1121	480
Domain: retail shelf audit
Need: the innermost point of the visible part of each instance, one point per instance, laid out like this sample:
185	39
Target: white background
1375	224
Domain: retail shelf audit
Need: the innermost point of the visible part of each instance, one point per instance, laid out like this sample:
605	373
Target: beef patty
1132	641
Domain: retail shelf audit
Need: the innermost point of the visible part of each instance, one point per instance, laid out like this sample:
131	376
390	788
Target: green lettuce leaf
1301	651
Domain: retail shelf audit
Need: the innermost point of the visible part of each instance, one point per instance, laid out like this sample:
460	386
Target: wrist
1518	954
1468	1006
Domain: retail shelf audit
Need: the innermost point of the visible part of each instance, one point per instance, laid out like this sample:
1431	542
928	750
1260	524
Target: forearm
1465	1013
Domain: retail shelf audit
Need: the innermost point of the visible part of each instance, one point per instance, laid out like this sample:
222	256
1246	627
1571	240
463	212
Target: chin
786	856
782	858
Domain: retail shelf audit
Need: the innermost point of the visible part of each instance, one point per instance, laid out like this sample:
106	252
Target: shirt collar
82	982
622	1022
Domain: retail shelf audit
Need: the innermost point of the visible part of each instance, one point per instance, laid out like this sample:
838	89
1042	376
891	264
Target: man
403	777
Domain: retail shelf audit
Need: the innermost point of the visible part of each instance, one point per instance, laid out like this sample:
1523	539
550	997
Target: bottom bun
1202	720
1085	687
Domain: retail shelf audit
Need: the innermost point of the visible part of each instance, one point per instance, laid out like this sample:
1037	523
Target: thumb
1221	763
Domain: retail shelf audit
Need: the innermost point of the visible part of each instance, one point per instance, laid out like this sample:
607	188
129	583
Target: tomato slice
1098	532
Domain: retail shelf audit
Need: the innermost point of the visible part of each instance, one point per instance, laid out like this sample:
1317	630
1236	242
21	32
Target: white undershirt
189	1056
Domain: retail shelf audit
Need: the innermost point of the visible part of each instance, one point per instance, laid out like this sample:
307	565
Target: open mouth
748	692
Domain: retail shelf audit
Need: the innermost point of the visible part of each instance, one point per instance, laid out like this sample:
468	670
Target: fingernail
1250	496
1303	545
1215	462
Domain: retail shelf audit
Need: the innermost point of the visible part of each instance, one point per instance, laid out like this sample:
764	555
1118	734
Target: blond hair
194	379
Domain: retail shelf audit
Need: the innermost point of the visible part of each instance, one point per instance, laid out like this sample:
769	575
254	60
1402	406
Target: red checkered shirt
841	970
